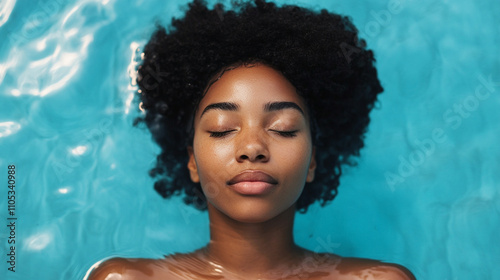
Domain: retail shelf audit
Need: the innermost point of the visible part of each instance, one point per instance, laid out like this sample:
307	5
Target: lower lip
252	188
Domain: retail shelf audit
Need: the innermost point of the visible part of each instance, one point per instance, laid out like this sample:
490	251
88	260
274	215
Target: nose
252	146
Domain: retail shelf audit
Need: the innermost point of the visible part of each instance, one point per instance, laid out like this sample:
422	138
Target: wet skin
251	120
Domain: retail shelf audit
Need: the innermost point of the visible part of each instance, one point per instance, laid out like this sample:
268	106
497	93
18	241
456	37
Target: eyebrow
276	106
268	107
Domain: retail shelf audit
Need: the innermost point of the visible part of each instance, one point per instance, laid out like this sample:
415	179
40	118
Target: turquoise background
425	193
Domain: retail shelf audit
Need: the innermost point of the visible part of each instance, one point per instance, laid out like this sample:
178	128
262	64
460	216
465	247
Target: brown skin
251	236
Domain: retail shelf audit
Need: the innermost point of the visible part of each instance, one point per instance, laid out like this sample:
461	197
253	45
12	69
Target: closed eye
218	134
292	133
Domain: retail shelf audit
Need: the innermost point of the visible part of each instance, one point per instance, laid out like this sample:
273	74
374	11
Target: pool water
425	193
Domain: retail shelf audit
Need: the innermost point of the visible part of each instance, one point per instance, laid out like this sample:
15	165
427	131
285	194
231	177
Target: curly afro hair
318	52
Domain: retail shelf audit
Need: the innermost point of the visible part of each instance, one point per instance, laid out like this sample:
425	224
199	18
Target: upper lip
252	176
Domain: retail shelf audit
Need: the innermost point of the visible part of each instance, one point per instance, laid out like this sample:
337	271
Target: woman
263	105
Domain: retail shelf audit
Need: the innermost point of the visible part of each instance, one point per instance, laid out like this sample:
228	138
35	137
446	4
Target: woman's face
252	149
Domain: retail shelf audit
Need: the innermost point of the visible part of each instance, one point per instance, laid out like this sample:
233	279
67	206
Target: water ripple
6	8
8	128
39	241
50	61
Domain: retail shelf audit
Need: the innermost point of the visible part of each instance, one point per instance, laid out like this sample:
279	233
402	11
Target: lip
252	182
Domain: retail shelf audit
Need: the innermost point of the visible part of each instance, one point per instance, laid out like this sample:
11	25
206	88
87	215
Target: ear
193	168
312	167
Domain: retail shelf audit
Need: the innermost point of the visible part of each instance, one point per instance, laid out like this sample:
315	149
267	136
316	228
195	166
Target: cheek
295	154
294	163
212	160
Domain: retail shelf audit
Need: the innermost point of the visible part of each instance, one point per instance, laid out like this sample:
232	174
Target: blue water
425	193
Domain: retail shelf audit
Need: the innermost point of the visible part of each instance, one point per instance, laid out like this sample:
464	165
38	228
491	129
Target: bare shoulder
128	269
358	268
106	269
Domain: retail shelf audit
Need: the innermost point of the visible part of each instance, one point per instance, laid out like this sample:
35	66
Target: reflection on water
46	63
5	10
8	128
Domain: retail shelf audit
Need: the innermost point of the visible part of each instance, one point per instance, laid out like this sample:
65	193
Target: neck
252	249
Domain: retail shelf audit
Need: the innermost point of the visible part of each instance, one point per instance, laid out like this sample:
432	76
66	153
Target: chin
252	212
259	213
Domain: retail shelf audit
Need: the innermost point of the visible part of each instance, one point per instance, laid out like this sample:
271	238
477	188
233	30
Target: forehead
251	85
